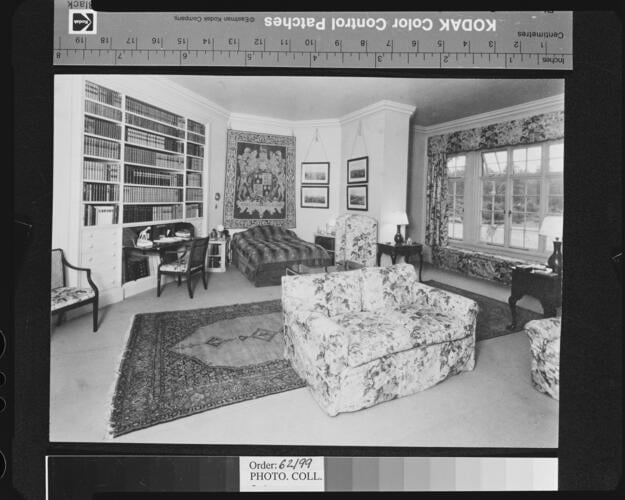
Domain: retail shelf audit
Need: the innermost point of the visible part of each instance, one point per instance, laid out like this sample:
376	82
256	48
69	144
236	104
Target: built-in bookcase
101	161
141	164
196	138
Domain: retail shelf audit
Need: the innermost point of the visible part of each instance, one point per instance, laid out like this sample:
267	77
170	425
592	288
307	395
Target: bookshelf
194	193
142	164
101	161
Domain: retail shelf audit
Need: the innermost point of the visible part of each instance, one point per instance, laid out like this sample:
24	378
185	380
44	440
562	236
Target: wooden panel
101	251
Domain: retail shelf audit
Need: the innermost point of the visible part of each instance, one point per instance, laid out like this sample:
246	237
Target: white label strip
281	473
445	40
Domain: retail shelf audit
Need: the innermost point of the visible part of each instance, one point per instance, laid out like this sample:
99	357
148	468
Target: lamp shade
551	226
397	218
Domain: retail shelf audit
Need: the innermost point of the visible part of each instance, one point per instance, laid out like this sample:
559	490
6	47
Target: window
455	196
498	198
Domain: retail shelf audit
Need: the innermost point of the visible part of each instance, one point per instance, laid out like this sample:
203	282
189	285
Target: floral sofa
362	337
544	335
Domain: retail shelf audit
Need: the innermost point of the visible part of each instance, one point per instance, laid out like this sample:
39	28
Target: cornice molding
546	105
376	107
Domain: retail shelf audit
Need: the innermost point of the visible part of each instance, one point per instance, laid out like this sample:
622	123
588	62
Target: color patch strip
441	474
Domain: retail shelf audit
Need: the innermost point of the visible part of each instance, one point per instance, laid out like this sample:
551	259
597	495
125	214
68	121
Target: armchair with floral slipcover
356	241
362	337
544	335
64	297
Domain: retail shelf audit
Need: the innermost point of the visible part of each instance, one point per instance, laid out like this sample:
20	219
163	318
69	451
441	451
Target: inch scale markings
326	59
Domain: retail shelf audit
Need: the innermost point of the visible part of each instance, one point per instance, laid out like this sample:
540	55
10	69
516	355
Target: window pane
492	233
459	188
532	204
527	160
556	157
533	187
494	163
555	186
556	204
455	166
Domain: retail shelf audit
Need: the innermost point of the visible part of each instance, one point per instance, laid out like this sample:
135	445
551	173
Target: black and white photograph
358	197
315	173
315	197
358	170
148	346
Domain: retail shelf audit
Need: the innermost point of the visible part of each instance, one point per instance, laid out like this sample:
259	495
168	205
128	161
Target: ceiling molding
546	105
189	95
279	122
383	105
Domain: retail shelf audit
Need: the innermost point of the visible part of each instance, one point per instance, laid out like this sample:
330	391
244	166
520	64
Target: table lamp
399	219
552	227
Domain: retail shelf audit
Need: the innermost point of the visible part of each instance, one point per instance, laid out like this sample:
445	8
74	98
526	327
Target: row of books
194	210
98	215
139	121
196	127
141	213
100	171
142	175
100	192
195	138
194	195
136	194
98	109
103	128
141	108
148	157
101	147
102	94
194	179
153	141
194	163
195	149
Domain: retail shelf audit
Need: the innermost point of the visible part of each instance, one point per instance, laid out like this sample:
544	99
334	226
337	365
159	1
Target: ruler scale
489	40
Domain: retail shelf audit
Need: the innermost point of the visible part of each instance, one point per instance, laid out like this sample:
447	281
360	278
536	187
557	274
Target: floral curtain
436	201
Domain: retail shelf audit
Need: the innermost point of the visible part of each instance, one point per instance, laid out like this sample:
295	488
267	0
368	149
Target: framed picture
358	170
315	197
358	197
315	173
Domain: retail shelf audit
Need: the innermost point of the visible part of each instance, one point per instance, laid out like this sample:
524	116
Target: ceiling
313	98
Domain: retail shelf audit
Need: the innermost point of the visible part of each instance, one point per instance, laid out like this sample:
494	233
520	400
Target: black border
315	183
301	199
366	186
366	158
590	448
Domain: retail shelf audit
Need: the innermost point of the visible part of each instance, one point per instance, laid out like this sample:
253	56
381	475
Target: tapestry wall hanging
260	180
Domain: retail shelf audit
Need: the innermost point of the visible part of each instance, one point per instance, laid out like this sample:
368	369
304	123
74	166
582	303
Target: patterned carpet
493	315
179	363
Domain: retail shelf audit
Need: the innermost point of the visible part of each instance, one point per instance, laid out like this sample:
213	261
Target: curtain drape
436	201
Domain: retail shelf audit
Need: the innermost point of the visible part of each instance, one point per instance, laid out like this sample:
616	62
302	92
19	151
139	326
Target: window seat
497	268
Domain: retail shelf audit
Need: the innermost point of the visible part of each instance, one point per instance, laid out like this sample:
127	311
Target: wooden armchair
191	262
63	297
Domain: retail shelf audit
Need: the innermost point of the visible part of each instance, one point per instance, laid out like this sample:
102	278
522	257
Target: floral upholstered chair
356	241
362	337
63	297
544	335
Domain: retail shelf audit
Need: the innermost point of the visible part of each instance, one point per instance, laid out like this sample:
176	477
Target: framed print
315	197
260	180
316	173
358	197
358	170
